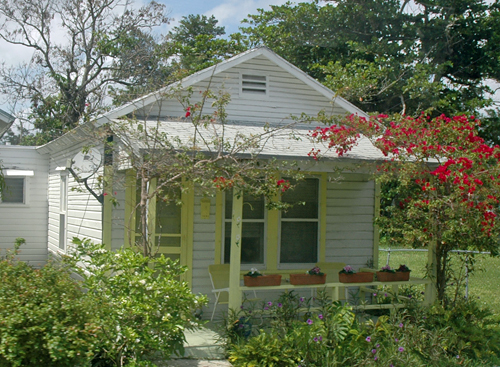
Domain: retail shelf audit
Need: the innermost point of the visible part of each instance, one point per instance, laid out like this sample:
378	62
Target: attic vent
254	84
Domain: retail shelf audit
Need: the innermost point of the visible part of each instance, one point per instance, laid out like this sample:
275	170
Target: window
254	84
300	224
13	192
165	225
252	230
63	202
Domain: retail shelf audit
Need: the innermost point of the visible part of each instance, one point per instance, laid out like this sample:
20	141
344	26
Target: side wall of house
28	220
83	215
349	221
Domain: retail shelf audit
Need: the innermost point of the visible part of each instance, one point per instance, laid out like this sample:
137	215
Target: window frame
63	210
289	266
225	220
24	175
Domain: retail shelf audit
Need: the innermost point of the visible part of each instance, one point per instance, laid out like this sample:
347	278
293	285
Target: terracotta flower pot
262	280
362	277
399	276
303	279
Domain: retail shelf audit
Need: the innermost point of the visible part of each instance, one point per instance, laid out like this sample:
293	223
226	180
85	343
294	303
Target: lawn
483	282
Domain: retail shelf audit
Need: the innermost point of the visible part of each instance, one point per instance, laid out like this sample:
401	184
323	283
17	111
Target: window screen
300	224
252	230
14	190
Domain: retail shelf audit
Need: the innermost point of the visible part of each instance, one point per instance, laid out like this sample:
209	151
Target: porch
236	290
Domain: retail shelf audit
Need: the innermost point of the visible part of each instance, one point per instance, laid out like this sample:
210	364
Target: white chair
219	276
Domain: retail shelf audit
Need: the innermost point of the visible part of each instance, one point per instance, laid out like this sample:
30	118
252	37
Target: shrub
332	336
143	307
45	319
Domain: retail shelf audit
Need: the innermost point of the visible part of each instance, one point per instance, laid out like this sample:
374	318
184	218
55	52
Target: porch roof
285	142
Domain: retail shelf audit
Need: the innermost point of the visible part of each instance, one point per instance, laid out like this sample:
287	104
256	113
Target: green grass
483	282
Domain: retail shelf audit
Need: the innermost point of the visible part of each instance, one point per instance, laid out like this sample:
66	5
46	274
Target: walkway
201	350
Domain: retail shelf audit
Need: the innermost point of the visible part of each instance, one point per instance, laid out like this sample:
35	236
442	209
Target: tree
393	55
75	45
203	152
448	182
198	43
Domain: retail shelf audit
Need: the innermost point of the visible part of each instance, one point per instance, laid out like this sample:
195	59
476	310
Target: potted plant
386	274
255	279
313	276
348	275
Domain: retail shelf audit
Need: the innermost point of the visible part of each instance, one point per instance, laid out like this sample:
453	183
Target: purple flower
401	324
375	358
241	326
374	351
315	340
387	267
458	356
269	303
374	294
320	316
301	299
279	305
241	307
378	345
385	295
396	340
368	339
320	338
401	349
309	321
266	308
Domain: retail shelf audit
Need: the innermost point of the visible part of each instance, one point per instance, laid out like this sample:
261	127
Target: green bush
45	319
332	336
143	307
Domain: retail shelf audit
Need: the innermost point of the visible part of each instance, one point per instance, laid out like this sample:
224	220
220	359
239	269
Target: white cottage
263	88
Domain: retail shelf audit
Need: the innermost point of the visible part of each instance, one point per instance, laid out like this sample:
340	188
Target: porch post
430	289
235	259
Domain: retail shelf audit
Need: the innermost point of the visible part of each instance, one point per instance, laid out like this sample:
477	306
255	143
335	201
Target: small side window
13	191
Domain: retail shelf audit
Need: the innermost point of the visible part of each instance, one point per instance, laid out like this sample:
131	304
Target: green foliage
332	336
392	55
46	319
475	332
142	306
198	43
265	350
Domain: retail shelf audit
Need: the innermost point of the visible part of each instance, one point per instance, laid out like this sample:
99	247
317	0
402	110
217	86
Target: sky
228	12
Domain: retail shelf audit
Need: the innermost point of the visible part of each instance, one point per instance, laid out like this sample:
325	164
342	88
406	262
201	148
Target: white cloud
231	12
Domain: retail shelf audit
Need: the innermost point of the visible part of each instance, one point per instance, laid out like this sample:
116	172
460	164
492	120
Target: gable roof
294	148
221	67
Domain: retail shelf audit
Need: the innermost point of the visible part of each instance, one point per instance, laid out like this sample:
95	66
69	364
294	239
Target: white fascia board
184	83
221	67
313	83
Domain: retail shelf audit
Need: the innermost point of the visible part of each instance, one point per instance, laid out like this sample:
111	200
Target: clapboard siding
349	222
84	212
286	96
118	212
28	221
203	249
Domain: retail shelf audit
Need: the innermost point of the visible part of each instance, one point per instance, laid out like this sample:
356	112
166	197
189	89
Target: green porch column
235	259
430	289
